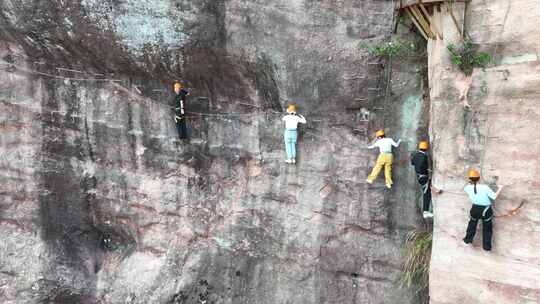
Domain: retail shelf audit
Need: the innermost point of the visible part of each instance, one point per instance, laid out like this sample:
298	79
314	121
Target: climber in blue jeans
291	134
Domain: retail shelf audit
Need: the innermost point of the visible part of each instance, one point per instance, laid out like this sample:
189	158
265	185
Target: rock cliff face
496	134
101	204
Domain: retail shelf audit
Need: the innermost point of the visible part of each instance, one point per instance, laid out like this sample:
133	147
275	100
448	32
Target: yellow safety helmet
380	133
291	108
473	174
177	86
423	145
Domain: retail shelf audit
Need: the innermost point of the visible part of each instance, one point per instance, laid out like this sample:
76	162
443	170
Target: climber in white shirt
291	134
385	158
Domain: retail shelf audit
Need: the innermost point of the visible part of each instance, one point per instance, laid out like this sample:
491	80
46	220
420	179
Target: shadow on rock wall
129	214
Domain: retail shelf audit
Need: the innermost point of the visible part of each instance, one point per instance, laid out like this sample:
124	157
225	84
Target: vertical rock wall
487	122
101	203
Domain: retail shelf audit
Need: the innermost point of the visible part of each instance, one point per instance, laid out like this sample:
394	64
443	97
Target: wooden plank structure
421	11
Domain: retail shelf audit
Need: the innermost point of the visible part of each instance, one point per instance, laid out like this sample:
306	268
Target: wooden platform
406	3
420	12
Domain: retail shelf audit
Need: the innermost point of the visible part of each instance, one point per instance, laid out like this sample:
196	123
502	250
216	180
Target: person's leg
291	146
475	214
388	159
425	185
294	138
376	170
179	129
487	229
184	129
287	145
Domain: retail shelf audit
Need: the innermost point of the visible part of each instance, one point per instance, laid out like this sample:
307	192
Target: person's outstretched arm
396	144
493	195
301	119
498	191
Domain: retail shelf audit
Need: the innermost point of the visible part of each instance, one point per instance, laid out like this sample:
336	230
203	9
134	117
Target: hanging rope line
11	67
32	71
513	211
500	87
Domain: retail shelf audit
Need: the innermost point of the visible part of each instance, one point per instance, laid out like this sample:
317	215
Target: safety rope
139	97
510	213
32	71
501	87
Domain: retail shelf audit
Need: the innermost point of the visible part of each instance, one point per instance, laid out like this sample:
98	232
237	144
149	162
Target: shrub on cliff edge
393	48
467	58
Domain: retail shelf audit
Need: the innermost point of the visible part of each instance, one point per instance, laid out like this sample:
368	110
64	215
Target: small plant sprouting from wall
467	57
417	253
390	49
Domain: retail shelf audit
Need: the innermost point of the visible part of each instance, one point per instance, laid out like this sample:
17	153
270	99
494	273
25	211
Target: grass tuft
417	253
389	49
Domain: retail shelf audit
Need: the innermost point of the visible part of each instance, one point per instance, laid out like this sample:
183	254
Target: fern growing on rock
467	57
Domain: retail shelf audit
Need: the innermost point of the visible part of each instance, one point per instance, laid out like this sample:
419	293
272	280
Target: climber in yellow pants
385	158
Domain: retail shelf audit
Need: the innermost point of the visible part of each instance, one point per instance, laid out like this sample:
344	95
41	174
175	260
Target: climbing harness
485	212
424	186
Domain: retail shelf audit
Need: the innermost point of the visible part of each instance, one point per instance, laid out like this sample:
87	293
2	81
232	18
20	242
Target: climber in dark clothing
180	95
481	197
420	161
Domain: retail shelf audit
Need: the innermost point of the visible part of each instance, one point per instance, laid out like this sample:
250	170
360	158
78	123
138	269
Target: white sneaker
293	161
288	161
388	186
428	214
368	181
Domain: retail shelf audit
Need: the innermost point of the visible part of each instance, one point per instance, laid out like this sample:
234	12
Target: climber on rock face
421	163
481	196
291	134
385	158
180	95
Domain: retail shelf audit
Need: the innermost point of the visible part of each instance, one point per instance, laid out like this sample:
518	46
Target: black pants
486	215
425	185
182	130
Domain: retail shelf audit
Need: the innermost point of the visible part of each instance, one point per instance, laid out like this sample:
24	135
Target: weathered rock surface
496	134
100	202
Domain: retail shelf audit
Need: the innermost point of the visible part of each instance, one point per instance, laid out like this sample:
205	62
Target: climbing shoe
288	161
293	161
427	214
388	186
368	181
466	241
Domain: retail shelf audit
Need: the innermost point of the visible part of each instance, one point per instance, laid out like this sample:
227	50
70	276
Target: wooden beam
396	22
456	23
431	23
420	29
422	21
406	3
